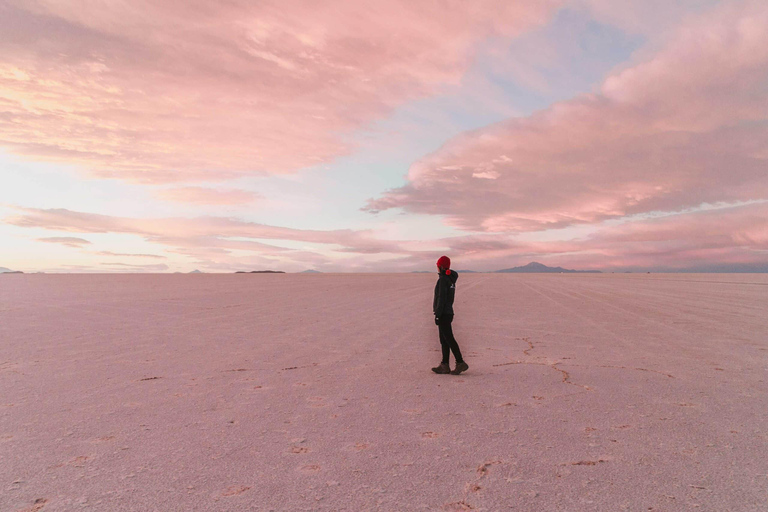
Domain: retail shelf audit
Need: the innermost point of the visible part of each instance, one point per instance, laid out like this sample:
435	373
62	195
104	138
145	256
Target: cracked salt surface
314	392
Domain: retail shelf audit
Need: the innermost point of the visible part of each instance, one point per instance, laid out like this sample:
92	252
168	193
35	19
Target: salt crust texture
313	392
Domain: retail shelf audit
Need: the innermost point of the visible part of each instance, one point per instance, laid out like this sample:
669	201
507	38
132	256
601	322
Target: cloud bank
664	164
171	91
684	126
725	235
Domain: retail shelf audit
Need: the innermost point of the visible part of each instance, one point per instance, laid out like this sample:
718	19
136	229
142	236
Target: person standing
442	307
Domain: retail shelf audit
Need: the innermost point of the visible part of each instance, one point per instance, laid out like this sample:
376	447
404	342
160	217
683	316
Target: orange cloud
171	91
685	126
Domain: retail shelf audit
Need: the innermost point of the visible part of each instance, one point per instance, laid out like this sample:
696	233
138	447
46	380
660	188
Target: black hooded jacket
445	290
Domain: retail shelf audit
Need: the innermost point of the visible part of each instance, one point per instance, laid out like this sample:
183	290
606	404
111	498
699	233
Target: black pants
447	340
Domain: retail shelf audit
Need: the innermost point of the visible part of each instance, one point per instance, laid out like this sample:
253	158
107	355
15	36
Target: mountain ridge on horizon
536	267
532	267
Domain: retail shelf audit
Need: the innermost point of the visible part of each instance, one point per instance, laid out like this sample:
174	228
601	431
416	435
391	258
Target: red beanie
444	262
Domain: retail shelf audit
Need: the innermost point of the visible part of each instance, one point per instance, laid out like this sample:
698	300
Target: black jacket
445	290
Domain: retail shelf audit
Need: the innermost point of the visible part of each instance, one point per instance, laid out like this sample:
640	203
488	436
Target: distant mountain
195	272
4	270
535	267
311	272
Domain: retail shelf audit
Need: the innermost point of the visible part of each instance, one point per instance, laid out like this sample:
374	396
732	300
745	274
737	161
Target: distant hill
535	267
260	272
195	272
4	270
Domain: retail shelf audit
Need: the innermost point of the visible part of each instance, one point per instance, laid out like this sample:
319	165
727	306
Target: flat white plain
313	392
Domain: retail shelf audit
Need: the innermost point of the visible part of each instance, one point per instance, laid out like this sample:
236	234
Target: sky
377	135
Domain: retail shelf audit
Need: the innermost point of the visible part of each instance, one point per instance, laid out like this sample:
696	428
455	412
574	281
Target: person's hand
437	320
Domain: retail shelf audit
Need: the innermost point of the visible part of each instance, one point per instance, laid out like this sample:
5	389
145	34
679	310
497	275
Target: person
442	307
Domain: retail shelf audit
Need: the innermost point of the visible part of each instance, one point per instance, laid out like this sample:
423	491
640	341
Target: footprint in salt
309	468
361	446
37	505
457	506
234	490
587	462
430	435
79	461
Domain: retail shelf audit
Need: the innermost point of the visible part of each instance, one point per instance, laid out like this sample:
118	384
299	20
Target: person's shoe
443	368
460	367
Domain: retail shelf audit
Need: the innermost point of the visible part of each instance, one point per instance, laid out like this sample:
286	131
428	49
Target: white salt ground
314	392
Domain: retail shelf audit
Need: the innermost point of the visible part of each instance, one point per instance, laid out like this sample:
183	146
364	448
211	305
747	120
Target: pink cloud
724	237
171	91
735	235
68	241
685	126
128	267
214	234
151	256
206	196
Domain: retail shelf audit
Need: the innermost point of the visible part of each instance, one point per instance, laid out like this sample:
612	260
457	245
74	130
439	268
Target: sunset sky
376	135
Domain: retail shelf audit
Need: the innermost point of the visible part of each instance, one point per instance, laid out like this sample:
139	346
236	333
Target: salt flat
313	392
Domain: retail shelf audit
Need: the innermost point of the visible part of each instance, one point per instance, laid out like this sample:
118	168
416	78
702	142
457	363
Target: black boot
460	367
443	368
